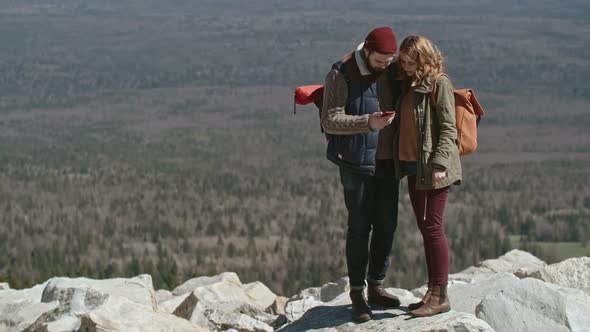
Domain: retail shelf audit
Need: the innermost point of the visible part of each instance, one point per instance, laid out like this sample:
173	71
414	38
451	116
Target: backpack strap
434	86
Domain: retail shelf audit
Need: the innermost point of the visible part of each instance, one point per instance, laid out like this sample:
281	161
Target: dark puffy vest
356	152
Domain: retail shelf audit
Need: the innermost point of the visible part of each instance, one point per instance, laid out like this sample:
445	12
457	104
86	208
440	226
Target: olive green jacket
437	134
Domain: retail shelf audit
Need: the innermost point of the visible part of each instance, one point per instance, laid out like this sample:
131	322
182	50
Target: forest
150	137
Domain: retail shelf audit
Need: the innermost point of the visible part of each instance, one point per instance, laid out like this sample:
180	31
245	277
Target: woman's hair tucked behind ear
429	59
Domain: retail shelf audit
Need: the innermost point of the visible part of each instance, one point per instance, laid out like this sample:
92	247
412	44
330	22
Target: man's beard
376	71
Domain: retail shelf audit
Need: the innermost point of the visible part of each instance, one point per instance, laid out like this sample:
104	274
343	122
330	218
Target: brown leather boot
360	309
437	303
414	306
379	296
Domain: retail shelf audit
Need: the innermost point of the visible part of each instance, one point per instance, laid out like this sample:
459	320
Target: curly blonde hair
429	59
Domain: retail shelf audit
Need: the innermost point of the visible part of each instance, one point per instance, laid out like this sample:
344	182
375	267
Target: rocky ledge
516	292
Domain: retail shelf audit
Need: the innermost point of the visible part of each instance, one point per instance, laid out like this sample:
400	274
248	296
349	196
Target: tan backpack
468	112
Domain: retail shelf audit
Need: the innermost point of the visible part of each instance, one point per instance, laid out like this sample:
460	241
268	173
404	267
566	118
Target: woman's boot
414	306
437	303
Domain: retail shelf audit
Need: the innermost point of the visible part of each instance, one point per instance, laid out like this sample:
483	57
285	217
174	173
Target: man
360	142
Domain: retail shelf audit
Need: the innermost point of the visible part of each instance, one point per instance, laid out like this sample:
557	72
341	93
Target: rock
187	307
280	321
525	272
73	300
278	306
239	317
297	308
227	290
177	306
514	261
312	292
310	297
326	292
137	289
259	294
465	297
331	290
122	315
221	292
533	305
216	310
4	285
18	315
335	317
404	296
192	284
572	273
220	301
64	323
32	294
163	295
226	314
420	291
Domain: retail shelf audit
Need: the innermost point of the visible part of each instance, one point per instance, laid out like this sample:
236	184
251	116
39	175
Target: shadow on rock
321	317
329	316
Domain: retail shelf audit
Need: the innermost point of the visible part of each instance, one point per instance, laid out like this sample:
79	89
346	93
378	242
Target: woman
427	154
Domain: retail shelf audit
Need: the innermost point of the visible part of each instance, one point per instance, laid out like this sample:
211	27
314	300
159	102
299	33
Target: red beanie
381	40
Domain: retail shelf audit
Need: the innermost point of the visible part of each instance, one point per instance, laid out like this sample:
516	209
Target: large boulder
572	273
513	261
228	287
163	295
32	294
222	302
278	306
18	315
297	308
72	302
240	316
311	297
259	294
175	304
4	285
335	317
466	297
518	262
326	292
137	289
533	305
63	301
122	315
192	284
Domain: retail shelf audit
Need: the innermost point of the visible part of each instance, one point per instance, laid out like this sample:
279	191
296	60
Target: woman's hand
380	120
438	175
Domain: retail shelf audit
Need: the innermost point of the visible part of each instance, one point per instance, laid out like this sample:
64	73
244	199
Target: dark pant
429	208
371	202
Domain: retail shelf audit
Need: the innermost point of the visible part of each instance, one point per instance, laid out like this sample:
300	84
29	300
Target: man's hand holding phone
380	120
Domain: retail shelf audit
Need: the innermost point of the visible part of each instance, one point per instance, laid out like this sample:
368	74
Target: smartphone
387	113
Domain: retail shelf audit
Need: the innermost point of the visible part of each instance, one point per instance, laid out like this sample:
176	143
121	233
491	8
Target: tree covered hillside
142	136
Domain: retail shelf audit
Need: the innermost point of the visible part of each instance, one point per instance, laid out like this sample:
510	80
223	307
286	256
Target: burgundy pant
429	207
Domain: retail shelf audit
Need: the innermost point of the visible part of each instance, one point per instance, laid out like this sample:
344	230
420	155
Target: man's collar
360	60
